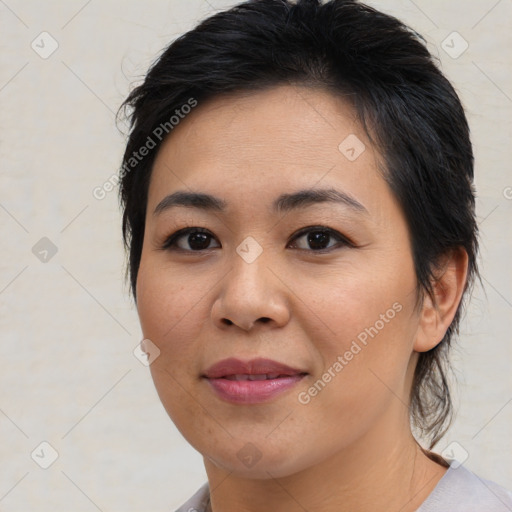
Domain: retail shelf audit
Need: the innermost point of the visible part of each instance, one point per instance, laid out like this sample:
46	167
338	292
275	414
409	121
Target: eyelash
170	242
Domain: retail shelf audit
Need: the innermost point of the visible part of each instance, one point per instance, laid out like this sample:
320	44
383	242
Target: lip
222	374
233	366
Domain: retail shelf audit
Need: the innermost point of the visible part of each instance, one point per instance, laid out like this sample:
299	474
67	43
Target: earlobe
448	287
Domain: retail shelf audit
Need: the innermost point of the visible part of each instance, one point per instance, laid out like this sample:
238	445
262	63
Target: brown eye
189	239
317	238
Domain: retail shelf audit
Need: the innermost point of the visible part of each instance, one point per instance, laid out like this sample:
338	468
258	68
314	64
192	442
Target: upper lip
233	366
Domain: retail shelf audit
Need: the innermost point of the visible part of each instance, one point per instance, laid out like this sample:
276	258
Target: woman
299	213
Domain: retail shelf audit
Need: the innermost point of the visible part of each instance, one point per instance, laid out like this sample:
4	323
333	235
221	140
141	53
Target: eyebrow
284	203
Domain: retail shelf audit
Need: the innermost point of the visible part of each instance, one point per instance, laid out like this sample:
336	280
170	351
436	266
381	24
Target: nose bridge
249	273
250	292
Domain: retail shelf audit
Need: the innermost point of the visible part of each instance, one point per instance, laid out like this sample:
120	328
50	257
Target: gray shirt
459	490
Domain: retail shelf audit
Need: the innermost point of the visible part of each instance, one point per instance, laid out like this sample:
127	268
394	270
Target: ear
435	318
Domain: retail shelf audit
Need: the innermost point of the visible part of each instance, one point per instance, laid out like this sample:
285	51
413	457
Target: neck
385	469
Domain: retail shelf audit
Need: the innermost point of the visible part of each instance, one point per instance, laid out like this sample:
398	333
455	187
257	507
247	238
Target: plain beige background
68	375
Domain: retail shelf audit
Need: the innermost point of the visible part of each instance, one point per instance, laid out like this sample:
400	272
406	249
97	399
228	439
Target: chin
247	460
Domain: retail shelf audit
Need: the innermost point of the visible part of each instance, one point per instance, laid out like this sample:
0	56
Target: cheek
367	346
366	299
171	317
168	312
363	377
165	301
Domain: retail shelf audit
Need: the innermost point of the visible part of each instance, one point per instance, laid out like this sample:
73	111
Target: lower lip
252	391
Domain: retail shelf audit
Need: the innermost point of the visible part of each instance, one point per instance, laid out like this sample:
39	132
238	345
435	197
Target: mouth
251	382
255	369
253	377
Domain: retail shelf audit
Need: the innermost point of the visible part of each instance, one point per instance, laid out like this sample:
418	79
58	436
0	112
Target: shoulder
198	502
460	490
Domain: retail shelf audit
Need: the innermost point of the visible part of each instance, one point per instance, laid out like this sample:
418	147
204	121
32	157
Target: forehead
254	146
264	123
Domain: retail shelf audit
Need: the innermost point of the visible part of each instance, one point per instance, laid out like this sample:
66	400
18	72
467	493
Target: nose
249	294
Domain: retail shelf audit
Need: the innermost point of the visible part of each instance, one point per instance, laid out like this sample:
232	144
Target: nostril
263	319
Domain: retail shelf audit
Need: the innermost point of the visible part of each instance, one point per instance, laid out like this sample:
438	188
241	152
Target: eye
318	238
197	239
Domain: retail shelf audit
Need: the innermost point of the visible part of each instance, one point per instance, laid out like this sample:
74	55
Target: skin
350	448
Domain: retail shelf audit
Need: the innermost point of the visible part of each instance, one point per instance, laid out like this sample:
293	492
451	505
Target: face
323	284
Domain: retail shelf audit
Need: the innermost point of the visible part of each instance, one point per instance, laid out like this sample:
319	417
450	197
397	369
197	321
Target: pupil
318	237
200	238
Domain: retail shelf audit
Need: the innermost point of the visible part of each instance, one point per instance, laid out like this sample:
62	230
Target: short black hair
409	110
